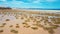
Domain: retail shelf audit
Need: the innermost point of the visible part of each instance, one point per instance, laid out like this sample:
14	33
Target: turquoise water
49	4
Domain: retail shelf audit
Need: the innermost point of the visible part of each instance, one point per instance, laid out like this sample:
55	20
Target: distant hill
5	8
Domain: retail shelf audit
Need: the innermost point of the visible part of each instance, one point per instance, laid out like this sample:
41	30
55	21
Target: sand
14	20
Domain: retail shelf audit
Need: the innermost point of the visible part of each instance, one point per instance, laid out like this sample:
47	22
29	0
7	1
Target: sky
51	4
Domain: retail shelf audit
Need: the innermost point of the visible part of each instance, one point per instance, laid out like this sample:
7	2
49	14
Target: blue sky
54	4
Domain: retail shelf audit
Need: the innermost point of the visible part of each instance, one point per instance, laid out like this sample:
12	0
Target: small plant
17	26
7	19
34	28
4	24
55	26
27	26
11	25
22	18
14	31
51	31
1	31
25	23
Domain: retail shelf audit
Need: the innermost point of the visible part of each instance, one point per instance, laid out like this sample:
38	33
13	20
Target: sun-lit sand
29	22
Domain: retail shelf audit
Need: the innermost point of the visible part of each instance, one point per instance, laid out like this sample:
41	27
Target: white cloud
51	0
38	1
41	1
16	2
2	0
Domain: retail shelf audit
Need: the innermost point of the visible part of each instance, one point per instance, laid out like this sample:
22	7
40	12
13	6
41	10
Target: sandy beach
24	22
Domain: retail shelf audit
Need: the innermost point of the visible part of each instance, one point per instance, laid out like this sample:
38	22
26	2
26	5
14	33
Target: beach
29	22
